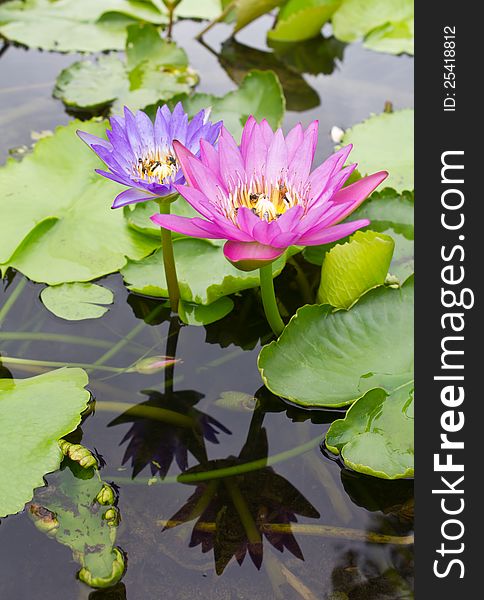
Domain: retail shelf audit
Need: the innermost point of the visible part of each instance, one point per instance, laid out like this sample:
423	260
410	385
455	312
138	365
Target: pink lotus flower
262	197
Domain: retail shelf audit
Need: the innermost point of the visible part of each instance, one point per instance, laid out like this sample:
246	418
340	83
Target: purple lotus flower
140	155
262	197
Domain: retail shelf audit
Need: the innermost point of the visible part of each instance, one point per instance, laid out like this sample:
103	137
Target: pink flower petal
182	155
276	158
331	234
250	256
209	157
293	140
267	132
321	176
357	192
263	232
246	220
246	136
300	166
232	168
197	200
192	227
256	154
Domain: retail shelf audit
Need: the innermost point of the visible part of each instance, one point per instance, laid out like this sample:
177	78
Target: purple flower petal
90	139
131	196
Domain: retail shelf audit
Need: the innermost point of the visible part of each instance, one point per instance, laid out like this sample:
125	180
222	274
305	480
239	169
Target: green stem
12	299
148	412
229	471
32	336
12	360
243	510
169	260
218	19
269	300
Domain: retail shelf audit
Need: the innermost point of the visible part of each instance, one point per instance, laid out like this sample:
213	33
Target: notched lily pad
330	359
302	19
50	405
376	435
77	301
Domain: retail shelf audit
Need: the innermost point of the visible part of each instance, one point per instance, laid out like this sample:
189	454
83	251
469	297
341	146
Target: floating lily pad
50	406
77	301
352	269
73	26
302	19
155	70
376	435
392	214
385	142
77	510
204	314
194	9
56	222
317	55
386	25
326	358
260	94
204	274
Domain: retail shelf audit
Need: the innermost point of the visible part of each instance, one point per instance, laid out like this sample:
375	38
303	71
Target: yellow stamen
267	202
156	166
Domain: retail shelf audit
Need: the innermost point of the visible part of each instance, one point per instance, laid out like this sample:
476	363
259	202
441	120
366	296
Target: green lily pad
260	94
77	510
385	142
50	406
155	71
73	26
56	222
330	359
204	274
386	25
194	9
204	314
77	301
376	435
355	267
249	10
302	19
390	213
317	55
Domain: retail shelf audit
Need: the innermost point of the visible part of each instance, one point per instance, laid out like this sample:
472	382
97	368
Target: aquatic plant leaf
204	274
73	26
260	94
77	301
385	141
237	59
249	10
376	435
56	222
50	406
194	9
385	25
326	358
78	510
355	267
390	213
204	314
302	19
314	56
155	70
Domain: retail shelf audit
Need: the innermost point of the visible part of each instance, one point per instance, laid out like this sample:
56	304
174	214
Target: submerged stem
269	300
11	301
169	260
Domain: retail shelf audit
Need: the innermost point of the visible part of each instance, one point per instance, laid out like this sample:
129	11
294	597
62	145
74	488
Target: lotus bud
153	364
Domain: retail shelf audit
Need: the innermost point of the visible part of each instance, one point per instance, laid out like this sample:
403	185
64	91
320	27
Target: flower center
156	166
267	202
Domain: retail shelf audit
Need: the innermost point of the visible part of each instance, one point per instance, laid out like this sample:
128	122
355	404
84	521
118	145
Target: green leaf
260	94
376	435
385	142
352	269
56	222
155	71
389	213
250	10
196	9
34	414
77	509
204	274
73	26
302	19
326	358
204	314
386	25
314	56
77	301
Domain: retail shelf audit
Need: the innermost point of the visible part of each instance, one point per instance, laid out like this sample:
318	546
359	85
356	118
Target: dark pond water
321	560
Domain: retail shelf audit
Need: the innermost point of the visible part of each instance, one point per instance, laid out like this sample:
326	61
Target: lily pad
302	19
330	359
73	26
56	224
352	269
77	510
50	406
392	214
376	435
204	314
77	301
194	9
386	25
155	71
249	10
385	141
204	274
